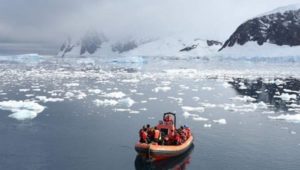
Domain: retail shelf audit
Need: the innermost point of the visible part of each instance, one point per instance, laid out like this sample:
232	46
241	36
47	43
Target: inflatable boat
158	151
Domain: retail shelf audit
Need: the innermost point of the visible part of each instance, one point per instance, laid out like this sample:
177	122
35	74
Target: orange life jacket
144	135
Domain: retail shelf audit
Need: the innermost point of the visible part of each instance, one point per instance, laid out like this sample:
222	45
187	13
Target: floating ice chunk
279	82
261	105
290	91
71	84
208	105
196	99
163	89
152	98
293	132
287	117
177	99
134	80
24	90
36	89
207	88
187	115
192	109
268	112
246	107
226	85
69	95
143	109
198	118
122	110
207	125
29	95
117	95
128	102
181	71
184	87
45	99
220	121
105	102
95	91
133	90
81	95
134	112
287	97
22	110
244	99
144	101
242	86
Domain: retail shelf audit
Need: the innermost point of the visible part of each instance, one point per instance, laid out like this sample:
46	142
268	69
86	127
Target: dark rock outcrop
189	48
280	28
213	42
89	43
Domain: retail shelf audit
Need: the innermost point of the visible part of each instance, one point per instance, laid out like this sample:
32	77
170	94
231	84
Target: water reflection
177	163
283	94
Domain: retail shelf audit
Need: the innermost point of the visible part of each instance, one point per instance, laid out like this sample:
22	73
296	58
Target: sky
42	25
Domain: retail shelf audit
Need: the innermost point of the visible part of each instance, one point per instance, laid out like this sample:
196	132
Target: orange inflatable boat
159	151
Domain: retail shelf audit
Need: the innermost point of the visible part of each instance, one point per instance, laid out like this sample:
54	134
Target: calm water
76	133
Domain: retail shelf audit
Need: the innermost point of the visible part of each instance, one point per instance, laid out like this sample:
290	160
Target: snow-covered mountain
276	33
177	47
93	44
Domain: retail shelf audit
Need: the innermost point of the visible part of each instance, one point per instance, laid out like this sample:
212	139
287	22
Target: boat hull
154	151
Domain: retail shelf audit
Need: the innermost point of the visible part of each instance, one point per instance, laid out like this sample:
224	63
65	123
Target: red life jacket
144	135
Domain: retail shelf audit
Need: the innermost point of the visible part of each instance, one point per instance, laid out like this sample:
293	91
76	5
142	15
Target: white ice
22	110
287	117
220	121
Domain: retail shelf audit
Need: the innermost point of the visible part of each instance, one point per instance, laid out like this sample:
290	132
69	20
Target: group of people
149	135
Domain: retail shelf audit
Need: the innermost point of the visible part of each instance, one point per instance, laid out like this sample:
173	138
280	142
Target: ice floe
105	102
244	98
192	109
207	88
187	115
179	100
287	117
71	85
196	99
198	118
207	125
287	97
128	102
117	95
220	121
162	89
251	107
24	90
22	110
208	105
95	91
45	99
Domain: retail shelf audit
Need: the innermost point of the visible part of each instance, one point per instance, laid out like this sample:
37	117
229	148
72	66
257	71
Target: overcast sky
49	22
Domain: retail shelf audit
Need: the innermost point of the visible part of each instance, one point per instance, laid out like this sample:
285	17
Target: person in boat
168	120
177	139
188	131
183	133
157	135
150	132
144	136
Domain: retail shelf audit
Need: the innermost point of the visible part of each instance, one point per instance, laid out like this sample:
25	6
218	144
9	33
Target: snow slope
175	47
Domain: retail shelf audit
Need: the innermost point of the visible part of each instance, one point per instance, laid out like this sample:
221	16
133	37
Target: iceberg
22	110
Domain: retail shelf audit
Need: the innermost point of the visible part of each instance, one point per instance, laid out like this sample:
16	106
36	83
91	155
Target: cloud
50	21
